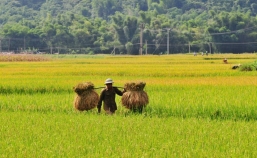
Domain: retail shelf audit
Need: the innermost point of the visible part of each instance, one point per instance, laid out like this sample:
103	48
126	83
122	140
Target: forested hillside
125	26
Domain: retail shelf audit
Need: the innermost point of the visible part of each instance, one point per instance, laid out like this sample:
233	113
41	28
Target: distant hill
104	26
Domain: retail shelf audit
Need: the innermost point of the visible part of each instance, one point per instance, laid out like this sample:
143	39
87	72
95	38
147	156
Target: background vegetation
114	26
199	107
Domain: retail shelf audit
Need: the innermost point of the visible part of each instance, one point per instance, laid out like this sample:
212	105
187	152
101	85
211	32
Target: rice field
198	107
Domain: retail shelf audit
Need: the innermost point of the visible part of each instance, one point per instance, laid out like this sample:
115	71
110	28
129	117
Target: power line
204	34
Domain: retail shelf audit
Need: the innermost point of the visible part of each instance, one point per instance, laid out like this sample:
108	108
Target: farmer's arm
100	101
117	91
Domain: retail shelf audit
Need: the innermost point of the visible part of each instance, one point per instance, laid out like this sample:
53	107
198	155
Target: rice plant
197	107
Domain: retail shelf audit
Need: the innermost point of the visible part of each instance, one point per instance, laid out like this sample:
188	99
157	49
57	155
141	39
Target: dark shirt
108	97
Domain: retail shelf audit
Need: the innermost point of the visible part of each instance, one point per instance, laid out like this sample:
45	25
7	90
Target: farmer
107	95
225	61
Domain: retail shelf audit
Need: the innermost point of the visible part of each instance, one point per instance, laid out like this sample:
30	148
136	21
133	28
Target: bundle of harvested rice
82	87
135	98
135	86
87	98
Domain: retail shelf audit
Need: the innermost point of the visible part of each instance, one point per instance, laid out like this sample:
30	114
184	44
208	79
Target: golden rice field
198	107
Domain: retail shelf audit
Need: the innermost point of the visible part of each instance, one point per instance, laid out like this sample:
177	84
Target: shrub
249	67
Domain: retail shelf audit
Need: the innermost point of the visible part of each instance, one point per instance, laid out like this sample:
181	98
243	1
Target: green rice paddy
198	107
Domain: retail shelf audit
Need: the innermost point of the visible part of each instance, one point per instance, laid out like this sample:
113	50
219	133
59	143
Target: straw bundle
87	98
82	87
135	98
134	86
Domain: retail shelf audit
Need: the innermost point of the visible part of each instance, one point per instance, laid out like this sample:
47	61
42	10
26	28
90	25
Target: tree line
128	27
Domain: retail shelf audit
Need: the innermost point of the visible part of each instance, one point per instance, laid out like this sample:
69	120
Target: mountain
114	26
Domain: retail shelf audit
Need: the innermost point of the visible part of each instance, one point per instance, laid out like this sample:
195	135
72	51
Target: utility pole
168	41
189	49
9	45
0	45
210	45
146	46
24	44
142	26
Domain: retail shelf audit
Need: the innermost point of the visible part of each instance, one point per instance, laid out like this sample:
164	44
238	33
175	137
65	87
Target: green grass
216	102
33	134
197	108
